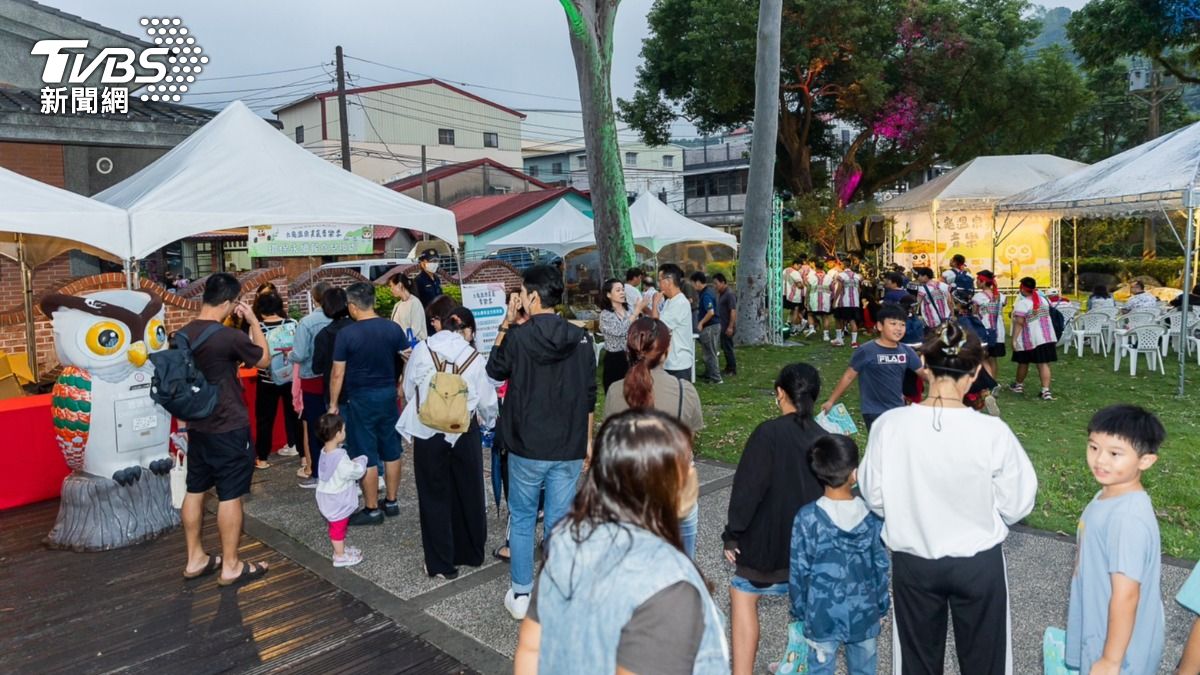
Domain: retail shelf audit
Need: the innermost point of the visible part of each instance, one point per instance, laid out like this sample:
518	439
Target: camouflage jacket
838	581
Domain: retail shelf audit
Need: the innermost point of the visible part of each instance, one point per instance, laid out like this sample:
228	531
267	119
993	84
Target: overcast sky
515	45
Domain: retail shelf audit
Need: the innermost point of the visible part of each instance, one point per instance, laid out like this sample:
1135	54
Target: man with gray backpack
219	450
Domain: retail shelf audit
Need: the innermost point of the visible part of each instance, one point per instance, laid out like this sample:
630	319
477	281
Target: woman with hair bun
773	480
617	594
948	482
647	386
989	306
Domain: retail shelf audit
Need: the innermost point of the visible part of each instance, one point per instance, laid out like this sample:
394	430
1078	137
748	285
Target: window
532	170
581	161
491	139
445	137
556	168
631	159
668	161
300	134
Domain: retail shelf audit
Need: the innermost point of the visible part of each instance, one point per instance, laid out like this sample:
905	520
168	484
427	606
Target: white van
371	269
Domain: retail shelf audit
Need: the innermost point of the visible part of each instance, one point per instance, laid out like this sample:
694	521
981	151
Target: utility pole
1148	85
343	120
424	178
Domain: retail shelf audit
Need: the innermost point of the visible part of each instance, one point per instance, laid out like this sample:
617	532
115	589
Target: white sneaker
517	607
993	408
382	485
288	451
350	559
837	343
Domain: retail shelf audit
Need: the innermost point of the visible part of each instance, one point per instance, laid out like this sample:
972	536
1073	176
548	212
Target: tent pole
1075	250
1189	202
27	299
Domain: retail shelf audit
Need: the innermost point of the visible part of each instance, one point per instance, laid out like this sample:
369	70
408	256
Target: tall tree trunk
752	255
591	26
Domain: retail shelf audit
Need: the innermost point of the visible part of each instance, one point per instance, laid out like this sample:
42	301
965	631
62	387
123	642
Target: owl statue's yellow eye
156	334
106	338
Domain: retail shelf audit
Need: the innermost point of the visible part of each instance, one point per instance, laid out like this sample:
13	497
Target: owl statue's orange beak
138	354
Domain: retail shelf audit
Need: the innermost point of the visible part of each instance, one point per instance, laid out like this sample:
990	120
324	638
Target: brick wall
180	308
40	161
492	272
301	284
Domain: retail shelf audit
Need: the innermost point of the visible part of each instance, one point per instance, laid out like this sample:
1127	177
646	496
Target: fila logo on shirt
892	359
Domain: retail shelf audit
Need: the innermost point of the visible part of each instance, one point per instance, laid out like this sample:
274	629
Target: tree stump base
98	514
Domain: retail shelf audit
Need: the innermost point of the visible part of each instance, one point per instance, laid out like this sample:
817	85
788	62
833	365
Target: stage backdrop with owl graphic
113	436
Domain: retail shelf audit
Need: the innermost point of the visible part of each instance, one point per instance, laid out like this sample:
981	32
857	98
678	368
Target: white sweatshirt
946	481
452	349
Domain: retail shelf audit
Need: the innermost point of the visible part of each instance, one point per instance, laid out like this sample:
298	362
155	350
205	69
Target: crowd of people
810	518
825	292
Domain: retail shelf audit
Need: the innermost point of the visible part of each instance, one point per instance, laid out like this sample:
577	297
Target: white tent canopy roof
238	171
656	226
31	207
1144	179
983	181
560	230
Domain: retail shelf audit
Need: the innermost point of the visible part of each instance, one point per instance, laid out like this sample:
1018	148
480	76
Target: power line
464	84
269	72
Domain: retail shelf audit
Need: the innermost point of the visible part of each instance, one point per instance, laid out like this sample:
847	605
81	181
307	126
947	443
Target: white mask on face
432	267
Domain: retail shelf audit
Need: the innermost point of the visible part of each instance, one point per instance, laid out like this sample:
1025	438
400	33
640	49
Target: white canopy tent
47	221
1158	177
237	171
560	230
955	213
656	226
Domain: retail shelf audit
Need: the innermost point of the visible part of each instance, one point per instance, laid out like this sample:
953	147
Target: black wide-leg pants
450	498
973	591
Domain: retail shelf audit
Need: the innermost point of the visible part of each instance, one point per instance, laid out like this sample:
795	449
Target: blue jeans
526	478
861	657
687	528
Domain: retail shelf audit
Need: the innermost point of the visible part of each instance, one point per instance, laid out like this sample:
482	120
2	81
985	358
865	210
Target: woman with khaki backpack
449	395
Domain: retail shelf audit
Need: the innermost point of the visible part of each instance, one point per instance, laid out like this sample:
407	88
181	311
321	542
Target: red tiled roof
480	214
450	169
401	85
381	232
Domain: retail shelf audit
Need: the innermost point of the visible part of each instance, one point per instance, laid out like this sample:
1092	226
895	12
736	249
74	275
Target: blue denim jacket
838	581
589	590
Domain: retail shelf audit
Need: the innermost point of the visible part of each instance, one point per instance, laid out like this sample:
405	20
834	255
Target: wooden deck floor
130	610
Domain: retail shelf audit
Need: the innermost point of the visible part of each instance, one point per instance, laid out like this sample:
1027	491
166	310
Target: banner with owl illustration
1011	245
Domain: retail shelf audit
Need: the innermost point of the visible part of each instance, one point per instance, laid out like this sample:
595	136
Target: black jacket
773	480
322	360
550	366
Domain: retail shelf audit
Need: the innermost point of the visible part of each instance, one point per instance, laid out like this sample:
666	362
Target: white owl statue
113	436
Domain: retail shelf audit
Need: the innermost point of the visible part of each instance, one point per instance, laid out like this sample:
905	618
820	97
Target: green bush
454	291
1166	270
384	300
729	269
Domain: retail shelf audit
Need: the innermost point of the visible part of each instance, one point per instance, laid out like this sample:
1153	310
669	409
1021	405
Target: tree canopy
1104	31
918	80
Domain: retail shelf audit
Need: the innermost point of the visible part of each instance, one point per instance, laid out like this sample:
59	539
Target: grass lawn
1053	432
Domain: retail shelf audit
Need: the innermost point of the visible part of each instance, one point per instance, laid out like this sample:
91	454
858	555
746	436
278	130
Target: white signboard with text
489	304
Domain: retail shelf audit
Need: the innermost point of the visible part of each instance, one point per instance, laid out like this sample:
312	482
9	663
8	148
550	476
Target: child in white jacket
337	494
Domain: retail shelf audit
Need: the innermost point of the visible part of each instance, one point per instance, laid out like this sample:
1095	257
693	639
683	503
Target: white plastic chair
1092	327
1137	318
1194	343
1142	339
1173	321
1069	312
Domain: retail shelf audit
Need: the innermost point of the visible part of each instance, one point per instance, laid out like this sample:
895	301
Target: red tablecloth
32	468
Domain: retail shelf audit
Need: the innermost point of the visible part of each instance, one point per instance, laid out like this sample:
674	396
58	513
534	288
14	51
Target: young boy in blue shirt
838	578
1115	616
879	366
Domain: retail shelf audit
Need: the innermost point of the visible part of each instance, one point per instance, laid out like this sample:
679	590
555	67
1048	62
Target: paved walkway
130	610
466	617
